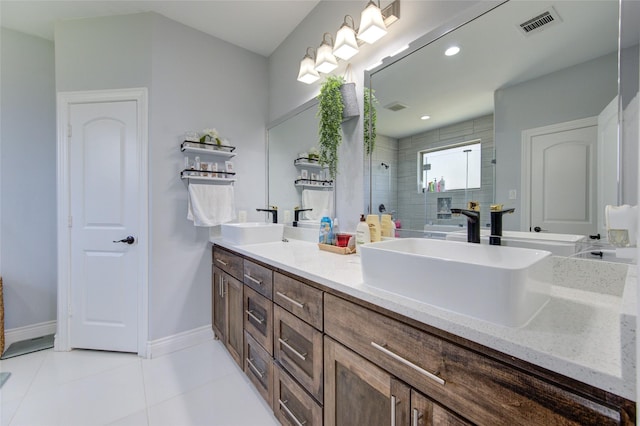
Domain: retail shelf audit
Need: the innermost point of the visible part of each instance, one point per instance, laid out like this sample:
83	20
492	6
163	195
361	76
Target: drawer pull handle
283	404
393	410
222	262
254	368
290	300
408	363
249	277
415	418
254	317
221	287
295	352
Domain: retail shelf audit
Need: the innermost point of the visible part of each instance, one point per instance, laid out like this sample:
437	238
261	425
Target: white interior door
562	178
104	201
607	161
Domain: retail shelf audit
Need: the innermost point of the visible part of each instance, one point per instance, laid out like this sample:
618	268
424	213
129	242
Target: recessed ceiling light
453	50
425	117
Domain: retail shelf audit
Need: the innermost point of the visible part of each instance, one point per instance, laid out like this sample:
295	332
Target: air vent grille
540	22
395	106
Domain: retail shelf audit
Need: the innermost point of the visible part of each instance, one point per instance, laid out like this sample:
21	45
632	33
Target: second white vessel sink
502	285
252	232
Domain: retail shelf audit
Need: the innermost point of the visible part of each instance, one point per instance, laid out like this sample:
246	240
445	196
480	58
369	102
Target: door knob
538	229
129	240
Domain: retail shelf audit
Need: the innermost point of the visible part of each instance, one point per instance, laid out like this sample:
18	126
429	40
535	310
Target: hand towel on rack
211	205
623	217
317	200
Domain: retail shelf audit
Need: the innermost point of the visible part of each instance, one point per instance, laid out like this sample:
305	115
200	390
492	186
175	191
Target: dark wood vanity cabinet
321	357
227	302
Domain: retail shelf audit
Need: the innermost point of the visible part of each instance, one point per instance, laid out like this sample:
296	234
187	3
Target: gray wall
570	94
285	93
27	179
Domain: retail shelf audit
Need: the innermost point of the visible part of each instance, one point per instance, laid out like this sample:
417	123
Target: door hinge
70	221
69	130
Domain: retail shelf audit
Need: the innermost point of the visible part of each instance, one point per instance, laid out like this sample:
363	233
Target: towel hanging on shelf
317	201
211	205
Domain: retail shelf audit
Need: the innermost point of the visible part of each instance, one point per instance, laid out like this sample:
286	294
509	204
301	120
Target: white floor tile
182	371
94	400
196	386
137	419
228	401
63	367
23	371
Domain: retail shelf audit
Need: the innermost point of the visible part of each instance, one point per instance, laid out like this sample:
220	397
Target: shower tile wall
385	180
414	205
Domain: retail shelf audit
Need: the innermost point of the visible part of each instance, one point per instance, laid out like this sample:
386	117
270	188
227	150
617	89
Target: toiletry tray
335	249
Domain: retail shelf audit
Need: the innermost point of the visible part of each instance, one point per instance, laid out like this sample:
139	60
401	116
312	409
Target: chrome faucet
273	210
296	215
497	211
473	221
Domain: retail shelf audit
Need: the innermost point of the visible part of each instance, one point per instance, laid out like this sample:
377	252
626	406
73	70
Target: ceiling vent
540	22
395	106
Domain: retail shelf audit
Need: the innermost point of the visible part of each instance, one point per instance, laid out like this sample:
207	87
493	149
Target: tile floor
200	385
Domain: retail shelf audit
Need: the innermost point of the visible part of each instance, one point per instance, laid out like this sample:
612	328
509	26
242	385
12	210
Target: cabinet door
235	318
357	392
258	318
425	412
219	309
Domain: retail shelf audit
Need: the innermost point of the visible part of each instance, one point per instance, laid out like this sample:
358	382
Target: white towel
317	200
211	205
623	217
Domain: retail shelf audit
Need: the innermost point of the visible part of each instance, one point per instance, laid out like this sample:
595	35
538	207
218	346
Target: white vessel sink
252	232
557	244
502	285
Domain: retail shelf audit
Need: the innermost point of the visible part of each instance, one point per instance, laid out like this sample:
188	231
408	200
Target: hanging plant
370	117
330	109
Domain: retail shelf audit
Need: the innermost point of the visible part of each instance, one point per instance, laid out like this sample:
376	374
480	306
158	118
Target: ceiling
256	25
494	55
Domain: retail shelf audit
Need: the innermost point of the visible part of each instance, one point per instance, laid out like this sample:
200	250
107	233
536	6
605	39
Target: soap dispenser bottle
363	235
373	220
326	235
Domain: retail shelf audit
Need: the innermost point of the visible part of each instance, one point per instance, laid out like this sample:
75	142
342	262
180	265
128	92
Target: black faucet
496	223
273	210
473	224
296	215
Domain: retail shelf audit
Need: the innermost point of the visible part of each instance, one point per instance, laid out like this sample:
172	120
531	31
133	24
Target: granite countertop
585	332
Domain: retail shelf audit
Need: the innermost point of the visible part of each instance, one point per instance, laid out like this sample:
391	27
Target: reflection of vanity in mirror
544	112
295	178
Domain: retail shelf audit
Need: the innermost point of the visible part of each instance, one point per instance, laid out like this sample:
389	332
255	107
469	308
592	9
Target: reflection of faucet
473	223
273	210
296	215
496	223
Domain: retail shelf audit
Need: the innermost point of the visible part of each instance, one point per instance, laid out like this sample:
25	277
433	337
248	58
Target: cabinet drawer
228	262
298	348
258	366
291	404
298	298
480	388
258	278
258	318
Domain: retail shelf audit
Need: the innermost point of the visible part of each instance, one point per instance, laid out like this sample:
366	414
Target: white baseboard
165	345
28	332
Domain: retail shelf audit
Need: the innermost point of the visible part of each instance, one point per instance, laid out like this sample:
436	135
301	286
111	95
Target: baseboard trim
166	345
28	332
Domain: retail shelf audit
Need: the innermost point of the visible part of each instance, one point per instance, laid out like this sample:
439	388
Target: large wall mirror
530	101
295	179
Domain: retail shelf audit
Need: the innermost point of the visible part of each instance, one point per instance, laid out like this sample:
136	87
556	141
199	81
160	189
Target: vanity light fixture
308	73
372	26
453	50
325	61
346	44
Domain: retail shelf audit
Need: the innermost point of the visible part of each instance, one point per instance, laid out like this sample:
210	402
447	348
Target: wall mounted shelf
208	148
205	176
310	163
313	183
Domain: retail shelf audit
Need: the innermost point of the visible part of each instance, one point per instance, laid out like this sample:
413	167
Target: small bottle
363	235
374	227
197	165
386	228
326	236
335	230
441	183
